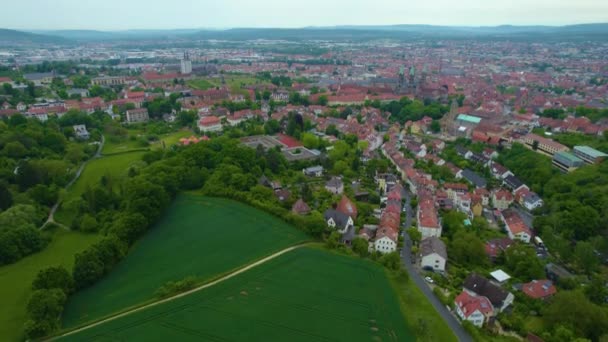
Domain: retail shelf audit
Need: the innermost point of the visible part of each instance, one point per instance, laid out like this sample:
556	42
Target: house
474	178
556	272
499	172
81	132
475	309
496	246
348	236
531	201
515	226
463	152
335	186
479	286
137	115
313	171
386	240
539	289
433	254
282	194
453	190
476	205
502	199
427	218
338	220
300	208
347	207
40	78
210	124
78	91
514	183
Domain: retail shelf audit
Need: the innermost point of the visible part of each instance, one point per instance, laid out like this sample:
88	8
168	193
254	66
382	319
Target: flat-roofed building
589	155
137	115
566	162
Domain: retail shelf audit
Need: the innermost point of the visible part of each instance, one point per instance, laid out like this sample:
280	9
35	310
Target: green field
16	279
235	83
305	295
198	236
115	166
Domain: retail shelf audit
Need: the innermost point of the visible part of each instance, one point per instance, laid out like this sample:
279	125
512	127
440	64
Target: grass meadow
16	279
308	294
198	236
115	166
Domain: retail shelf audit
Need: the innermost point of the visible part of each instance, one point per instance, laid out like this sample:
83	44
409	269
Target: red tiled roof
209	121
468	304
347	207
288	141
539	289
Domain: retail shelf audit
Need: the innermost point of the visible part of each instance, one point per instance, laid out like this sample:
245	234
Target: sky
173	14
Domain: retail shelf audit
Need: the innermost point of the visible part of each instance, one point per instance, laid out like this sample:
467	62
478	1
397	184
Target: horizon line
303	27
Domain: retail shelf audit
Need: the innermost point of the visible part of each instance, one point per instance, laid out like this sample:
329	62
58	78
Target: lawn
307	294
419	312
201	84
234	82
198	236
171	138
126	145
116	166
16	279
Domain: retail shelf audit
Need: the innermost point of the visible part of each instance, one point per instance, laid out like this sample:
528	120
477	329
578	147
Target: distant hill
93	35
19	37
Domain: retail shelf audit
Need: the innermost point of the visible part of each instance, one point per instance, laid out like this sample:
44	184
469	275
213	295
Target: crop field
116	166
234	82
198	236
304	295
16	279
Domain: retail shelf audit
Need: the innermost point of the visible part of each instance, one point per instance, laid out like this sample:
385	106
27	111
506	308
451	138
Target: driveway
447	316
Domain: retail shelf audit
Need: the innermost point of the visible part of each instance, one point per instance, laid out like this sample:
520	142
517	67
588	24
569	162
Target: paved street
447	316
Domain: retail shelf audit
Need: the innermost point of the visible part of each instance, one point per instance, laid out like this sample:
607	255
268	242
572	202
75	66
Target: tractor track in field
180	295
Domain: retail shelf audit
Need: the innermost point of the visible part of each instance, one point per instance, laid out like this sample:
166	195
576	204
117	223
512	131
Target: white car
429	280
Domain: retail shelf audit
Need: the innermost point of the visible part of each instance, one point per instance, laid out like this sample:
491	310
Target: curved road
447	316
51	217
183	294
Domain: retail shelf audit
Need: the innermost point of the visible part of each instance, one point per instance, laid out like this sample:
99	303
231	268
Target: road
447	316
51	218
183	294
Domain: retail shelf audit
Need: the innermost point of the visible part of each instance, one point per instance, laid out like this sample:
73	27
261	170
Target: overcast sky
167	14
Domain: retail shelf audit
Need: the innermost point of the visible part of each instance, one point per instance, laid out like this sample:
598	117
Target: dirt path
183	294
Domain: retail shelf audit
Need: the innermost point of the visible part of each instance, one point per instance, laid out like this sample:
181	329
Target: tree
392	261
332	130
585	257
360	246
573	310
88	223
414	234
56	277
322	100
333	241
88	268
44	310
435	126
6	198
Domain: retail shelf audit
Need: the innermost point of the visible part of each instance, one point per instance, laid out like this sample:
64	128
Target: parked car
429	280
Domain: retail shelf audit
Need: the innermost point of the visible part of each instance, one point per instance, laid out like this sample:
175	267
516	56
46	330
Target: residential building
300	208
475	309
210	124
335	186
81	132
496	246
78	91
515	226
514	183
313	171
502	199
477	285
137	115
474	178
40	78
589	155
539	289
338	220
566	162
427	218
433	254
347	207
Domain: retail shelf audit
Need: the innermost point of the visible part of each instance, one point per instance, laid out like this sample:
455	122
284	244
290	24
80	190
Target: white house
338	220
433	254
475	309
386	240
313	171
